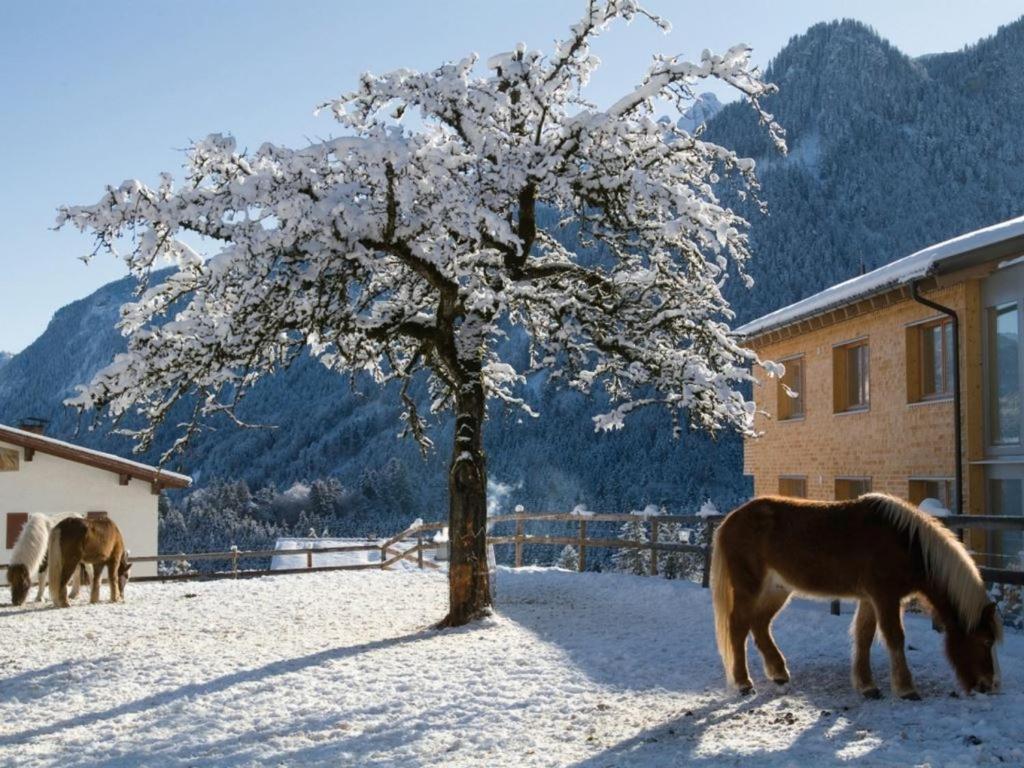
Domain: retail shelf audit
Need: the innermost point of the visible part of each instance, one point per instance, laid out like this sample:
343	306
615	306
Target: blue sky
94	93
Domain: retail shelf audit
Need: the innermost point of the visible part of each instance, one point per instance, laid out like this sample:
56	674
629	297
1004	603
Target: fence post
234	562
309	558
519	544
419	550
709	543
582	559
654	544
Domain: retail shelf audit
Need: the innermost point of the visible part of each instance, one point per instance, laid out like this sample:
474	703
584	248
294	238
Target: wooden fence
411	544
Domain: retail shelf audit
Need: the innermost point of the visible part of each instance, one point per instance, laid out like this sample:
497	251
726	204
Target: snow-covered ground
342	669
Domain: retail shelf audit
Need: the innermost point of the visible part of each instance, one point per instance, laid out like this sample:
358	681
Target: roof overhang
124	468
958	256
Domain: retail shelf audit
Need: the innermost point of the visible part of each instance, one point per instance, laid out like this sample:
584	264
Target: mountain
5	357
887	154
704	107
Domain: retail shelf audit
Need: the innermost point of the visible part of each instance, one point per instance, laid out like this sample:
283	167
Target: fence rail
391	553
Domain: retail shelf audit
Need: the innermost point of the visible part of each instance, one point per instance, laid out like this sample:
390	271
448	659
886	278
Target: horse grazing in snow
97	542
876	549
28	560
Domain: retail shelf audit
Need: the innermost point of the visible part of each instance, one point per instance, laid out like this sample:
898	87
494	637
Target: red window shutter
96	515
15	522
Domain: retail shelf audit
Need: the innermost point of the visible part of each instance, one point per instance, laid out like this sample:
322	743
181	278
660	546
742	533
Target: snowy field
341	669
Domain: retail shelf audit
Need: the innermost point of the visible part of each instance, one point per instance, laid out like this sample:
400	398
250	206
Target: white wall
56	486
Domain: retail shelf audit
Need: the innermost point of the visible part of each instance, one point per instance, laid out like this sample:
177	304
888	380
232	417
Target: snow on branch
395	249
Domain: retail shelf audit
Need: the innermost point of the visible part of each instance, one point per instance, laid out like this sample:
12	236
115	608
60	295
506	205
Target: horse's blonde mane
30	548
946	561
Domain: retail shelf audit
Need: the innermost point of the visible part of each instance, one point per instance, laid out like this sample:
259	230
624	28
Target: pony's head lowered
20	582
123	572
973	653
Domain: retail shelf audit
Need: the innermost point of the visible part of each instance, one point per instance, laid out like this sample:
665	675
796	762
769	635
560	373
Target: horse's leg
67	569
42	586
94	585
771	603
863	633
115	589
76	584
890	621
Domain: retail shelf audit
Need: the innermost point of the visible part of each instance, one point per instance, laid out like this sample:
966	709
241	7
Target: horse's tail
56	566
721	600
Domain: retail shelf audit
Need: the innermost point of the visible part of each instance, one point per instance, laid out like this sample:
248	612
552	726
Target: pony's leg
67	569
863	632
890	621
115	591
739	628
76	584
771	603
94	586
41	588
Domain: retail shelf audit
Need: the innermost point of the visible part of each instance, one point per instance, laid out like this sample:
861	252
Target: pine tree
671	565
569	559
633	559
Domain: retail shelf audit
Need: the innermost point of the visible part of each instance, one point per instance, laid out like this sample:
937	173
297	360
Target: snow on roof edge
904	270
164	473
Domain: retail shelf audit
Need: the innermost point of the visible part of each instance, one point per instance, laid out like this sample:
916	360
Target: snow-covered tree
633	560
411	241
671	565
569	558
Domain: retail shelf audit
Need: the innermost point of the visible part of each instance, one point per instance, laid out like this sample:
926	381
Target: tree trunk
468	588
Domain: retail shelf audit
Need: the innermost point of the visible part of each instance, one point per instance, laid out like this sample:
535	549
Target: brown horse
876	549
99	543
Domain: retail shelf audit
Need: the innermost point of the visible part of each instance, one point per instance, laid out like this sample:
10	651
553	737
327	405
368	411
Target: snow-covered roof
924	263
36	442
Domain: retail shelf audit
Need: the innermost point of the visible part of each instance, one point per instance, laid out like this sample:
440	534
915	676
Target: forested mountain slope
887	154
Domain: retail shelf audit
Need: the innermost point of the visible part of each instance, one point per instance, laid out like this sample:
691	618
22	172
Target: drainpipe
958	493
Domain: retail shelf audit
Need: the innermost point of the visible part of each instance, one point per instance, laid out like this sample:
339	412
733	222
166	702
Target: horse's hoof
872	693
781	680
746	690
911	696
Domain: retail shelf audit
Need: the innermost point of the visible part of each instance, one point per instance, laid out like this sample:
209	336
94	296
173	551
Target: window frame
780	392
989	383
950	491
841	402
10	518
916	364
850	479
792	478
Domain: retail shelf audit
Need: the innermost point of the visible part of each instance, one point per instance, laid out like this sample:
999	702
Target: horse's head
18	577
122	574
973	653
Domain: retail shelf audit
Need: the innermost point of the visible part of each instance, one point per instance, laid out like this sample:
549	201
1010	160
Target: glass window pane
793	379
1005	375
1005	547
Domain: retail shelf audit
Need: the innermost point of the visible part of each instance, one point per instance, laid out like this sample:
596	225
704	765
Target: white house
40	474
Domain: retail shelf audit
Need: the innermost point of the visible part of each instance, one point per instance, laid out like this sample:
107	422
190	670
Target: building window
1004	375
850	380
852	487
15	522
10	460
790	390
794	487
931	488
1006	548
930	361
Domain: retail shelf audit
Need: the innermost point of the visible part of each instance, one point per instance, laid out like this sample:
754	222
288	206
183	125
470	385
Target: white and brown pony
876	549
28	560
96	542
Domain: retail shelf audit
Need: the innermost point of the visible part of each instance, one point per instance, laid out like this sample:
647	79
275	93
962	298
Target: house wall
893	440
56	486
